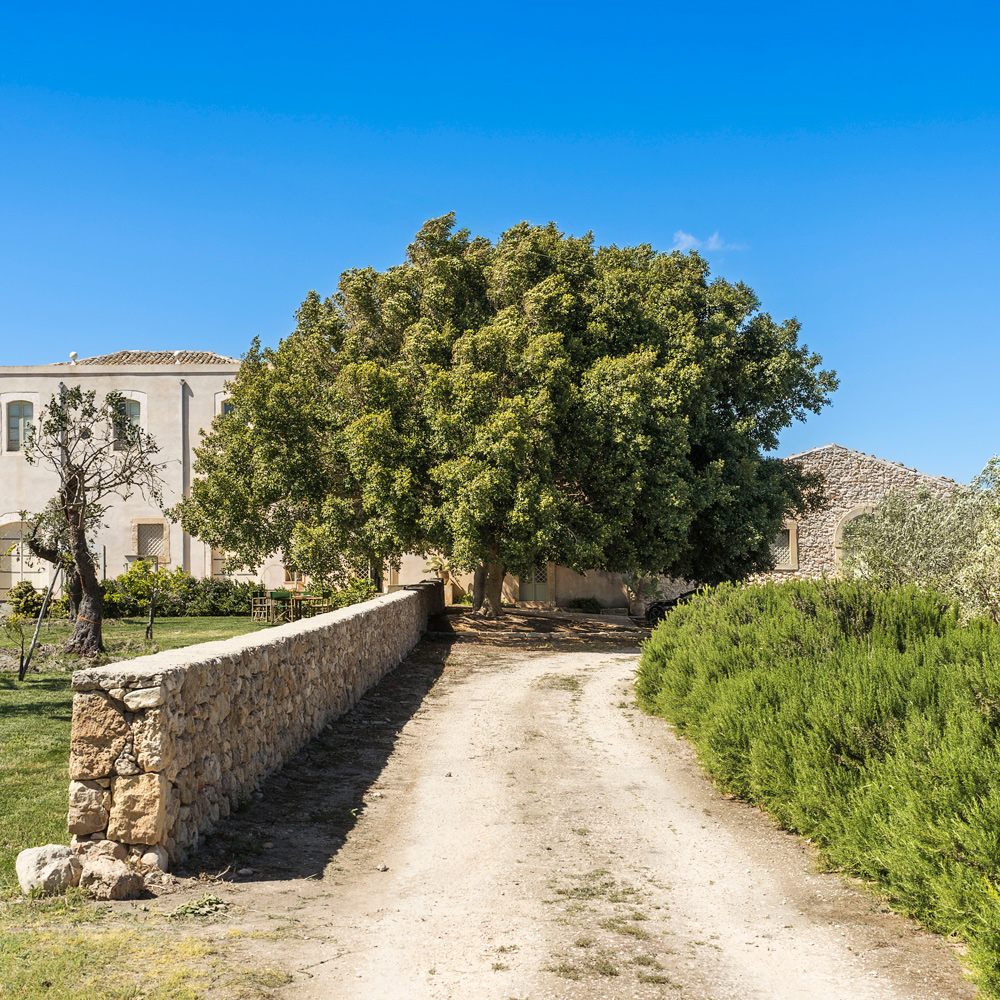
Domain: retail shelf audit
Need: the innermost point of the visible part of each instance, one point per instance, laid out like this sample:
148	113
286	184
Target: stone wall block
151	697
89	806
138	809
99	735
153	736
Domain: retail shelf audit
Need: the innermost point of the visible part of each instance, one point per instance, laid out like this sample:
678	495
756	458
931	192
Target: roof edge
873	458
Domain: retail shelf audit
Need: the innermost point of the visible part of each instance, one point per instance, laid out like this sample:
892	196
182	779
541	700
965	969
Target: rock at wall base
47	869
155	857
89	850
108	878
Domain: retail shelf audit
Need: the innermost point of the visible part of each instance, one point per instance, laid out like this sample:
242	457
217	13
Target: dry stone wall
164	746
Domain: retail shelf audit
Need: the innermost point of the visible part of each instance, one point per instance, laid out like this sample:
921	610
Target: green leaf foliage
866	719
537	398
948	541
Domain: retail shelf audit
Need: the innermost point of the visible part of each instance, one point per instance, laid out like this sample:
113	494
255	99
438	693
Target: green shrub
865	719
25	600
177	594
591	605
356	591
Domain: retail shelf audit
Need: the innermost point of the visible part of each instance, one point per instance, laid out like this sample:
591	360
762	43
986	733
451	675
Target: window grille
19	417
781	548
149	540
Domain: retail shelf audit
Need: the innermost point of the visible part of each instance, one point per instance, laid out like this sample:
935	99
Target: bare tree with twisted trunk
96	454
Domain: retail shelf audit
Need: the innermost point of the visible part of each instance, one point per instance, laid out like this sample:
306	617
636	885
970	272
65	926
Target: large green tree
537	398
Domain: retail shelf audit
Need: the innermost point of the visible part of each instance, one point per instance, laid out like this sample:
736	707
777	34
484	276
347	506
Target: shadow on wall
300	819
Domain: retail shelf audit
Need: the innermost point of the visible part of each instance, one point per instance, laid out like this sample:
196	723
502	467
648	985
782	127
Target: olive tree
950	542
96	454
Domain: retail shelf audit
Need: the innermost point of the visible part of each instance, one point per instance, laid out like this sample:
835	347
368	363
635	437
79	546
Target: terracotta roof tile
157	358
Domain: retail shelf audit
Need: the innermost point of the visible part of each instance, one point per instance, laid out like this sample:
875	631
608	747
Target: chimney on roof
72	357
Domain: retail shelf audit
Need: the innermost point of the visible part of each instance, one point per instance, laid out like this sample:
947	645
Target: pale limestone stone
86	850
155	857
47	869
151	697
138	809
98	736
151	732
89	805
108	878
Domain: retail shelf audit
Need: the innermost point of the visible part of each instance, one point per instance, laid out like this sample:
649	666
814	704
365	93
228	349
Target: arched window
19	417
839	550
131	411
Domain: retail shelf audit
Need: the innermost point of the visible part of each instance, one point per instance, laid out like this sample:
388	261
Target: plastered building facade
812	546
171	394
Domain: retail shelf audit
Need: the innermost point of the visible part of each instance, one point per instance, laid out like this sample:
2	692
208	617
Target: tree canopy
537	398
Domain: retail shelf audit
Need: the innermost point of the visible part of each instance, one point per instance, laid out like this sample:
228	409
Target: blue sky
180	176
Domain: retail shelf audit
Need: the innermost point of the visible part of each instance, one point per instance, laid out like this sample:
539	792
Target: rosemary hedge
866	719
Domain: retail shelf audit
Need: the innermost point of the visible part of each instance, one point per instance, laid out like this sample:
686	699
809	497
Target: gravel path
523	832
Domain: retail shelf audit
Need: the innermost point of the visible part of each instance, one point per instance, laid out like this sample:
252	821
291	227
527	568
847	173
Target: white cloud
685	241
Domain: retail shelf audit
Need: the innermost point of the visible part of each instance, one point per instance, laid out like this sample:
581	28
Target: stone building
811	546
170	394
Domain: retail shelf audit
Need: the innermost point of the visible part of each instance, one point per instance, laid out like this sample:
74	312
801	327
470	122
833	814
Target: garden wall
164	746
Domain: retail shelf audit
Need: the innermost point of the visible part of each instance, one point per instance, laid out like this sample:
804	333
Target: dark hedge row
865	719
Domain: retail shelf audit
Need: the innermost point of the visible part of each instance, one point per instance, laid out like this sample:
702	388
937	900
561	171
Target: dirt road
524	832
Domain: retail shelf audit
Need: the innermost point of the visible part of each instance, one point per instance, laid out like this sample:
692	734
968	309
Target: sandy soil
503	823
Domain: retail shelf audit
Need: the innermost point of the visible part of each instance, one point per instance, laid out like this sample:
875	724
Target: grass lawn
35	725
65	948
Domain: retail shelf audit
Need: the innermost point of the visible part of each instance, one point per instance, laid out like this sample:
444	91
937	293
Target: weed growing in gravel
565	970
583	942
500	967
647	960
603	966
619	926
559	682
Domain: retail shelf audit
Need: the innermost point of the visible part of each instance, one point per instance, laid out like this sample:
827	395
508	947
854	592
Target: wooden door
534	587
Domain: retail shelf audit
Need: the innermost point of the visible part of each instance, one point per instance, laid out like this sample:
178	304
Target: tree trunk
492	590
86	639
73	591
478	587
